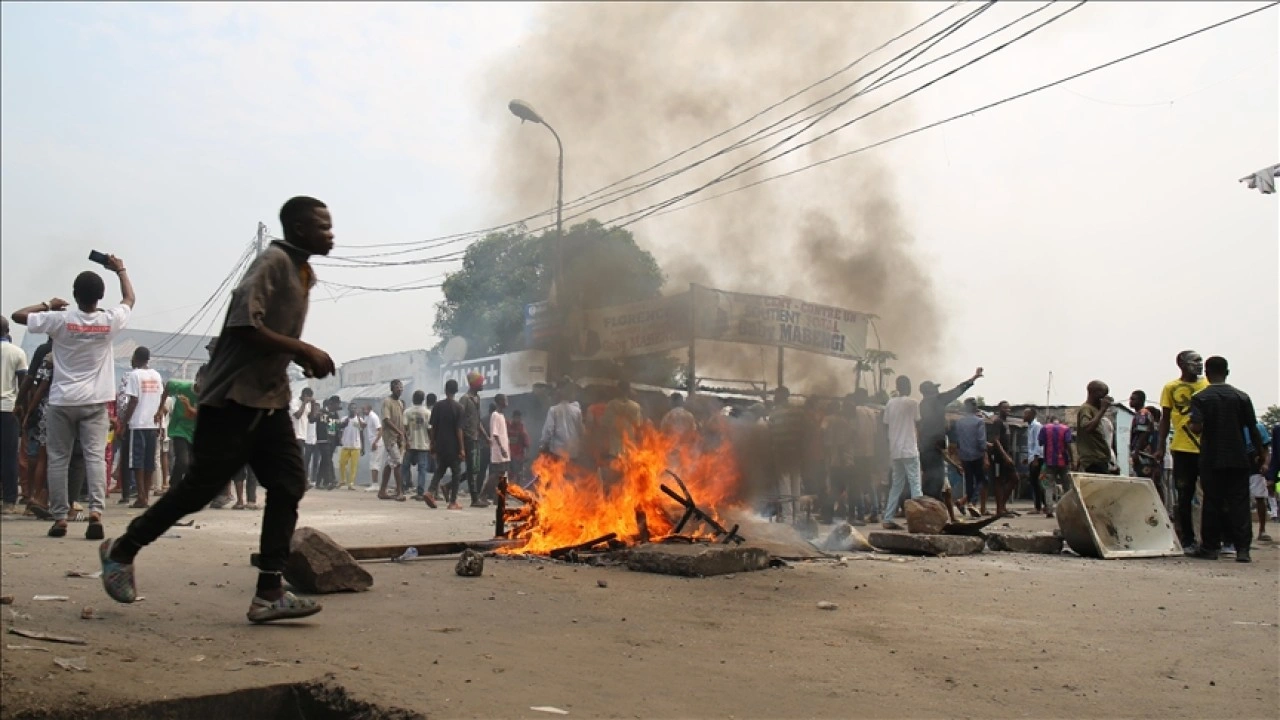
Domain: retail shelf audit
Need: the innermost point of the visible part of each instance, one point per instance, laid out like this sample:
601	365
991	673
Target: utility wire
751	164
983	108
628	191
204	308
433	242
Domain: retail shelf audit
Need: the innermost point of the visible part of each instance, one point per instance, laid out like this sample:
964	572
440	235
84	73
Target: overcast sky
1092	230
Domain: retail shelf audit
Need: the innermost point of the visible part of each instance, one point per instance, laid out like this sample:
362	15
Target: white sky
1092	230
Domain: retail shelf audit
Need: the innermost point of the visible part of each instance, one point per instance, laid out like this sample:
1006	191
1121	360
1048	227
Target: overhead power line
751	164
456	237
983	108
910	54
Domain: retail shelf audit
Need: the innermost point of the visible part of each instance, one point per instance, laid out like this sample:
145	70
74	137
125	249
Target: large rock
904	544
319	565
697	560
926	516
1039	543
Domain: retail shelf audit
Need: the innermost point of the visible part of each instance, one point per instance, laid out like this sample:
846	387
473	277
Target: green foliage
484	302
1271	416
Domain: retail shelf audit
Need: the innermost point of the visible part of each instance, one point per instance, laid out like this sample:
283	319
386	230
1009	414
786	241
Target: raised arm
116	265
55	305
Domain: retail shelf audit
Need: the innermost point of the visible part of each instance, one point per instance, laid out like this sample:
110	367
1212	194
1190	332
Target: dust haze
627	85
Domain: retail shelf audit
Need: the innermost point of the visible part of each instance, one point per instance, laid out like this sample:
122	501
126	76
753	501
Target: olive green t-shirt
1093	446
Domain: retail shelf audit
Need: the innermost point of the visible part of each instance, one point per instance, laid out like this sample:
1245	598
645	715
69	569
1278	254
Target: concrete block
697	560
905	544
1038	543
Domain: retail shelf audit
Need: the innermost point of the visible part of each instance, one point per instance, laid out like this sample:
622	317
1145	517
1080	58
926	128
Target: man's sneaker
287	607
10	509
1243	556
1203	554
1190	550
1228	549
117	578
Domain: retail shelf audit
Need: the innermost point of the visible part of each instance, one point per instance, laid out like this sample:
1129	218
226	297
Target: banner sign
490	368
649	326
780	321
539	324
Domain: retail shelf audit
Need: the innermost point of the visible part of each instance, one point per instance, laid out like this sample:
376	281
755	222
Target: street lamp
525	111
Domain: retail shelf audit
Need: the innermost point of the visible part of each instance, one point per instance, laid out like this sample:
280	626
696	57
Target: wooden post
692	375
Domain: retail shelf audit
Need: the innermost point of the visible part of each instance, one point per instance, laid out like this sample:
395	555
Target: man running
243	414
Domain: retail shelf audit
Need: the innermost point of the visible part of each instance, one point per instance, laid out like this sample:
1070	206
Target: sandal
1264	537
59	529
41	513
238	506
117	578
288	607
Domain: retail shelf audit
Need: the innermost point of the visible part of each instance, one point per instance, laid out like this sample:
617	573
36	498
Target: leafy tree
484	302
1271	416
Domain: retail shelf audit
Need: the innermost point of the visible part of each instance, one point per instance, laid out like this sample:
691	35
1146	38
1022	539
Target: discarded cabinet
1108	517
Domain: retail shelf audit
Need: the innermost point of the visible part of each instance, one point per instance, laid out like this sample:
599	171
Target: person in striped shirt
1056	440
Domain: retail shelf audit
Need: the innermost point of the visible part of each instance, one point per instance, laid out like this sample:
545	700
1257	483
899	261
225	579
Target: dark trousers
454	466
226	439
975	478
472	449
9	456
933	473
1225	512
1037	490
839	489
1186	473
181	459
325	475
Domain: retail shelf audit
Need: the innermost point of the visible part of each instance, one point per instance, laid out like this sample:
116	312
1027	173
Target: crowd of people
70	435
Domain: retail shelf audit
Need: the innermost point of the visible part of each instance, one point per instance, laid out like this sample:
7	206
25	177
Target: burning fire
569	505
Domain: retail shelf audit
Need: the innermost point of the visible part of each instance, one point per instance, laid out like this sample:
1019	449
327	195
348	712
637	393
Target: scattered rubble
317	564
824	605
76	664
845	538
470	564
34	635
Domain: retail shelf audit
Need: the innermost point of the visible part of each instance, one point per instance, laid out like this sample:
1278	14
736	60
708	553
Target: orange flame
572	505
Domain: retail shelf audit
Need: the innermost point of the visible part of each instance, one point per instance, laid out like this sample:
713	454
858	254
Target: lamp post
525	111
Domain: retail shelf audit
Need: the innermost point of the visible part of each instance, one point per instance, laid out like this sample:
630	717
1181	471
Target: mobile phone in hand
100	258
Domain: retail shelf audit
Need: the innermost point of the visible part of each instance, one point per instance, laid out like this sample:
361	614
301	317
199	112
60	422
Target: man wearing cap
933	436
472	429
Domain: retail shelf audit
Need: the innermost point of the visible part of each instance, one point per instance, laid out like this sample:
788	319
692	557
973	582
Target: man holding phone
244	417
83	383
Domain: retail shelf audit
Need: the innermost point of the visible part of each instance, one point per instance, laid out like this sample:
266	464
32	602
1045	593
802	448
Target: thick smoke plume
627	85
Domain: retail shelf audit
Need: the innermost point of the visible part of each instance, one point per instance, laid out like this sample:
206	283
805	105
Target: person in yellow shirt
1175	405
